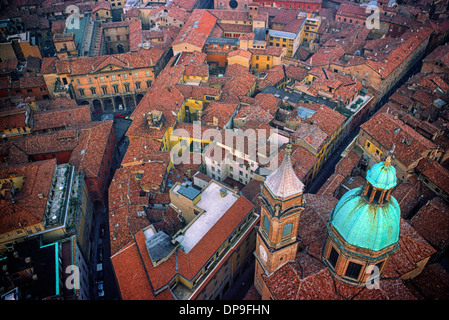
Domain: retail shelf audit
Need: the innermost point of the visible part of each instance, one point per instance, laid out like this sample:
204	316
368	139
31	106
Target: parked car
97	111
119	115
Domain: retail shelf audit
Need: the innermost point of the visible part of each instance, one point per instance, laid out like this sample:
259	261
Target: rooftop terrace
64	197
215	201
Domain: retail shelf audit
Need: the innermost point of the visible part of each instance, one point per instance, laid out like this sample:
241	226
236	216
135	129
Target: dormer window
154	118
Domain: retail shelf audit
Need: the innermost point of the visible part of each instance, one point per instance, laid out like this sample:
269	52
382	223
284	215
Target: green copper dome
382	175
364	225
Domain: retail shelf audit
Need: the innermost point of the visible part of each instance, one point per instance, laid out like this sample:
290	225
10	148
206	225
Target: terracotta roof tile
89	153
219	111
85	65
432	222
433	282
133	282
28	208
56	118
435	172
197	28
389	131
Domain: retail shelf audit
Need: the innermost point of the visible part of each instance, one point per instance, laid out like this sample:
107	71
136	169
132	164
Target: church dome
382	175
364	225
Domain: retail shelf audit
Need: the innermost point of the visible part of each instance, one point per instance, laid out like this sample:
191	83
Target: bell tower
281	206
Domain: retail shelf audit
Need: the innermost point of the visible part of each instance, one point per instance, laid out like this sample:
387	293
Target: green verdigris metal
367	225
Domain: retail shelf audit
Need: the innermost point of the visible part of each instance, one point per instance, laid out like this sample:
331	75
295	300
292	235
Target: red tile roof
85	65
432	223
222	112
28	208
133	282
409	145
432	283
62	117
435	172
102	5
186	265
140	150
88	156
197	28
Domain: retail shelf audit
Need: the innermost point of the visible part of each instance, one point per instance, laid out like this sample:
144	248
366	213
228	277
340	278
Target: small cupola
381	179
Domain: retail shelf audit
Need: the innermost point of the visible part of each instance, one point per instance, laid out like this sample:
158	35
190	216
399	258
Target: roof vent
223	192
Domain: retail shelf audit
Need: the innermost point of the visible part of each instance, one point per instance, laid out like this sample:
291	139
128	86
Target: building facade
107	83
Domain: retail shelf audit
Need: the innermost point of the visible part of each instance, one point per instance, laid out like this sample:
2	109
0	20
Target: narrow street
102	247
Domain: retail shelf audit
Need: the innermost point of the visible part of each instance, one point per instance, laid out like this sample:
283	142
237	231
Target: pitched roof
432	222
185	264
283	182
408	144
89	153
85	65
28	208
55	118
220	111
440	53
197	28
435	172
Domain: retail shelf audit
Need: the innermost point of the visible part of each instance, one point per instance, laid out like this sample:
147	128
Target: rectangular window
266	224
287	229
333	257
353	270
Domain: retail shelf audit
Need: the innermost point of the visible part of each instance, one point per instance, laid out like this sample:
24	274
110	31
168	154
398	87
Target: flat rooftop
215	206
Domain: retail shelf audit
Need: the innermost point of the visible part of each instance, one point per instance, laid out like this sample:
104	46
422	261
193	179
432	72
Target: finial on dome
387	162
288	149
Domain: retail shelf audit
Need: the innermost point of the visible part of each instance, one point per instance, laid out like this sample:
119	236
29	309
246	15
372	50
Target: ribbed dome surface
364	225
382	175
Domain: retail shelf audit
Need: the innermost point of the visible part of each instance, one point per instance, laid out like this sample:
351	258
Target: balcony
60	87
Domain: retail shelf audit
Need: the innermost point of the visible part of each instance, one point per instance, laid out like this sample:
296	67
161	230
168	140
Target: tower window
266	224
333	257
287	229
353	270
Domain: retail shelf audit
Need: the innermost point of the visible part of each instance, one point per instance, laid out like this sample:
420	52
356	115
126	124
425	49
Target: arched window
287	229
